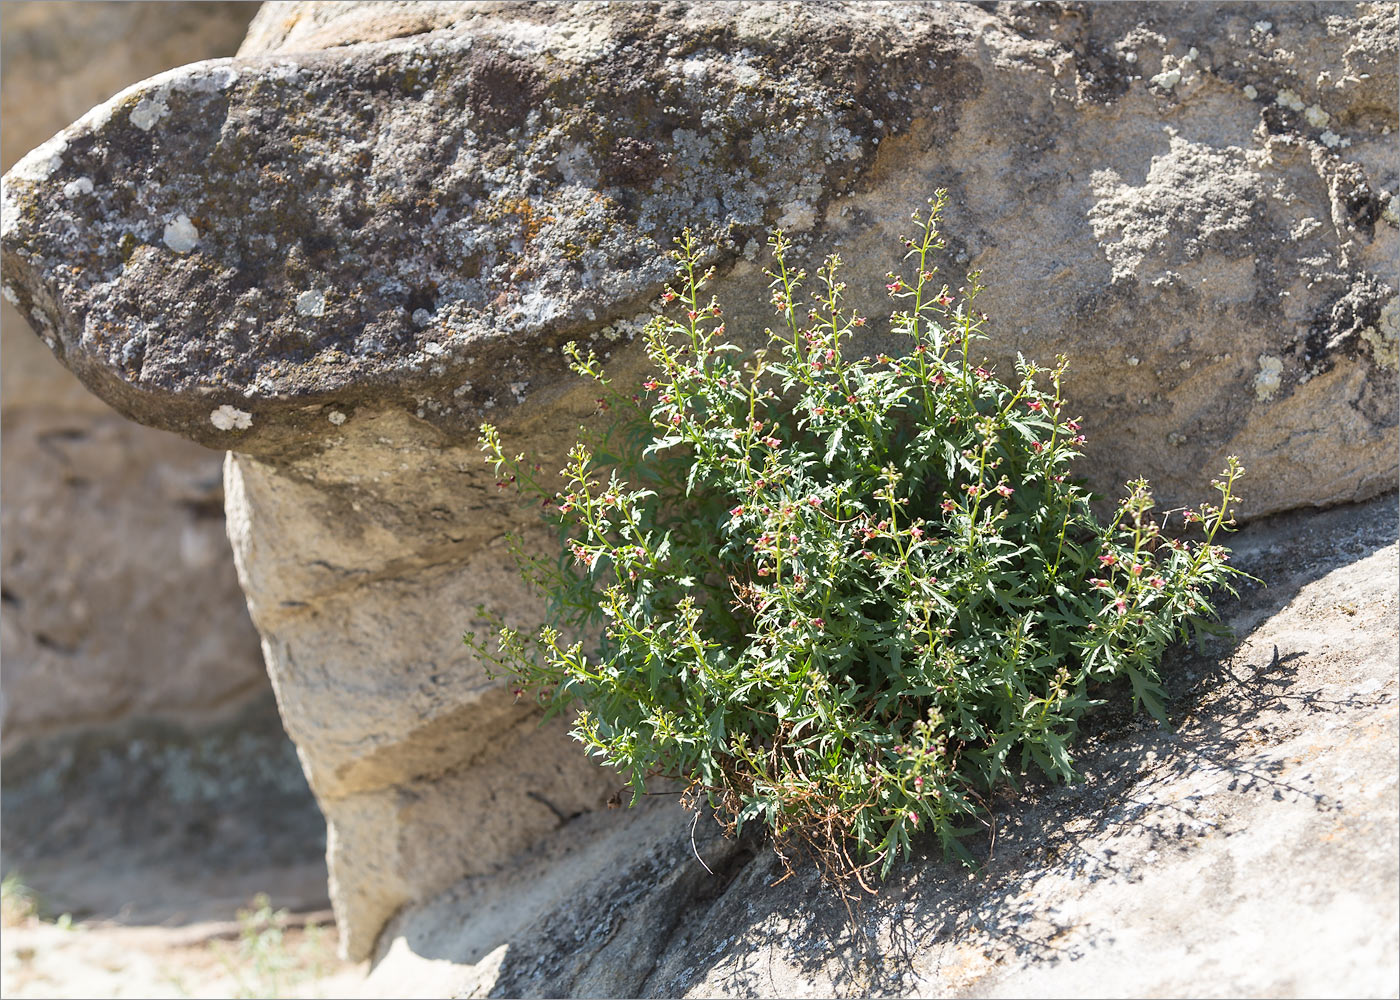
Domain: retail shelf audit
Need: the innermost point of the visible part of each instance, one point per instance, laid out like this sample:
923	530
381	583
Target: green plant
263	965
18	902
843	596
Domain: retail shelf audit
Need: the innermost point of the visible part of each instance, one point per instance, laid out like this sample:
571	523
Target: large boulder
338	252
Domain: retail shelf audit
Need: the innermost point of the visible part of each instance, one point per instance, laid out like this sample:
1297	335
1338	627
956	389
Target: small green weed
844	596
263	964
18	902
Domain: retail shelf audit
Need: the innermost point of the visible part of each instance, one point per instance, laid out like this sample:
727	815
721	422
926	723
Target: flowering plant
843	596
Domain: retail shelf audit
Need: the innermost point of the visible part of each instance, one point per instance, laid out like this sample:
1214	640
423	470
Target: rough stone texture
336	253
1251	852
163	822
113	538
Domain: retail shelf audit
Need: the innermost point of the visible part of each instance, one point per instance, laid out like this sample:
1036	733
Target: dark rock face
338	252
280	233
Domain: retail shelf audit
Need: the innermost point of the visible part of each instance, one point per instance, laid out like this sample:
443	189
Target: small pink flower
948	506
940	379
1034	405
675	420
814	501
819	622
913	819
894	285
1121	605
1137	569
1037	446
763	571
772	442
1108	560
830	355
1072	424
735	512
858	321
1157	583
692	314
668	296
916	531
1005	490
919	782
649	384
982	372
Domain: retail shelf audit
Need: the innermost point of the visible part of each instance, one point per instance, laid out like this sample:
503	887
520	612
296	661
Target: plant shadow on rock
1225	709
648	920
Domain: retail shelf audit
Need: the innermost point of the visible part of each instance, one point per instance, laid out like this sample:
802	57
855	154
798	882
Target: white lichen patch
1287	99
311	303
518	390
83	185
797	217
1304	228
1167	79
230	418
1331	139
10	296
1316	117
1269	377
148	111
421	317
1251	91
336	417
180	234
1263	27
1384	337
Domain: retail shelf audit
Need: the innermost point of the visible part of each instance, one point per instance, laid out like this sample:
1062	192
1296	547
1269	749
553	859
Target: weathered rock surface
336	253
147	778
113	539
1251	852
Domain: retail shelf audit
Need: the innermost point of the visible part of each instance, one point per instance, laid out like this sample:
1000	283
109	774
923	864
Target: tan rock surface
337	253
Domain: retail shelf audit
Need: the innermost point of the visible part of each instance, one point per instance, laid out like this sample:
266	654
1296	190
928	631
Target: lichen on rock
396	214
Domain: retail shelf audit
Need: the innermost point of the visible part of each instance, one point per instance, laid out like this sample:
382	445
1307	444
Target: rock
151	821
1251	852
337	253
113	537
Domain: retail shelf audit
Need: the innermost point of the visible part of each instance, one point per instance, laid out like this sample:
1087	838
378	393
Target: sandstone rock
335	254
1252	852
113	538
